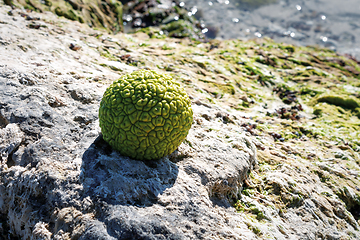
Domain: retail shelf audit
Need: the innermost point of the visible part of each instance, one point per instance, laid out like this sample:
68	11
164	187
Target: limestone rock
65	170
254	169
60	180
10	139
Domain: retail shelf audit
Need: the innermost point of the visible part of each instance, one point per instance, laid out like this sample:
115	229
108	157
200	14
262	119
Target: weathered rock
57	168
10	139
60	180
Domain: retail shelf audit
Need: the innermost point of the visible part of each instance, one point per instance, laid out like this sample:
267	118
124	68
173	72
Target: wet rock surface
273	151
162	18
157	18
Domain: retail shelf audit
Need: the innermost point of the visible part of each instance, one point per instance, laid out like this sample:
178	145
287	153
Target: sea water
328	23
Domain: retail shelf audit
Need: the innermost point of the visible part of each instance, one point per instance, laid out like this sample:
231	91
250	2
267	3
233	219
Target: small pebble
74	47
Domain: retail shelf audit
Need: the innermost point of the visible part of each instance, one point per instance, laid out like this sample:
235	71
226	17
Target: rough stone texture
60	180
10	139
65	170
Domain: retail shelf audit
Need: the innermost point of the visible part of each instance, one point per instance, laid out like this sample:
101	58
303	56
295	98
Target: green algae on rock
341	101
100	13
306	182
145	115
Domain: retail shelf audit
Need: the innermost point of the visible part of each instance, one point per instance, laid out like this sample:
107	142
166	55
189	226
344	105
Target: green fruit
145	115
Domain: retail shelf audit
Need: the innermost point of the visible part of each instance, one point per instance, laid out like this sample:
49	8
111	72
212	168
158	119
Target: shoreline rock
60	179
259	162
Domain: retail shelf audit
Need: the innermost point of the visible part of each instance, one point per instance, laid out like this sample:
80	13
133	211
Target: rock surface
258	161
60	179
100	14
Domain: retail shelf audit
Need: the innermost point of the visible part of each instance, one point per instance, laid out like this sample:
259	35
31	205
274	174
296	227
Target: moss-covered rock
181	29
341	101
145	115
100	13
299	111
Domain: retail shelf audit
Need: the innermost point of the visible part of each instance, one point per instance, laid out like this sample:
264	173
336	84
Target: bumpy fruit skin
145	115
